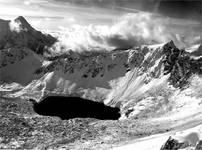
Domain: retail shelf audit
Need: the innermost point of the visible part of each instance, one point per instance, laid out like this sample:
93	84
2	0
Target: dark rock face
74	107
173	144
199	145
180	65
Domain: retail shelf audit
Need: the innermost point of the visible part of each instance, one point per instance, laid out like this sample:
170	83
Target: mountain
157	87
19	32
20	45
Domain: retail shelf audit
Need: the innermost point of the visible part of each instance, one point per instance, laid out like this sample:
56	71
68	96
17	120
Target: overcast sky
53	14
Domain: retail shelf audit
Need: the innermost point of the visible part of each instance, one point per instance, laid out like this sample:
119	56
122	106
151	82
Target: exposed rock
173	144
199	145
180	65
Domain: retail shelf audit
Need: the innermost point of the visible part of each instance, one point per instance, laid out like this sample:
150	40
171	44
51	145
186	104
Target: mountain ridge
19	32
96	75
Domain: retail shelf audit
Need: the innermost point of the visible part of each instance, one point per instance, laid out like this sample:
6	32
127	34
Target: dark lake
75	107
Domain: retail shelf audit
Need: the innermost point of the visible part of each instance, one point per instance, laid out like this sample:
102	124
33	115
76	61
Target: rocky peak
180	65
23	23
21	19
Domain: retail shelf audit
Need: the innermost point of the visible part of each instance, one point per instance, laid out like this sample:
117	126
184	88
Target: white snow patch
155	142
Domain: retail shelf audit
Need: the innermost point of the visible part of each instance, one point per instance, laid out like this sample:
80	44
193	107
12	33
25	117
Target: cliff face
181	65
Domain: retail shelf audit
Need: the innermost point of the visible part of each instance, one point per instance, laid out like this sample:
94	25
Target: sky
86	25
56	14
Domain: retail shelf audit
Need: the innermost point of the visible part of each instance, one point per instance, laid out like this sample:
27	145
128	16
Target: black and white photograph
100	74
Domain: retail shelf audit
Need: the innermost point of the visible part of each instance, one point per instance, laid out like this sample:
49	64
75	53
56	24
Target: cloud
31	2
140	28
71	12
178	8
16	26
129	31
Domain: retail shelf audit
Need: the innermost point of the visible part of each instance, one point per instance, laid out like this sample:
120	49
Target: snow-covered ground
155	142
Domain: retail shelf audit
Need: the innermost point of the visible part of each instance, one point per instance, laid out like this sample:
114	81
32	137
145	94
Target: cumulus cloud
140	28
129	30
15	26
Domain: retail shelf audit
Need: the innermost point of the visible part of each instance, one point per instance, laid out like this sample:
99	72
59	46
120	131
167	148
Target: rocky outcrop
173	144
91	66
199	145
180	65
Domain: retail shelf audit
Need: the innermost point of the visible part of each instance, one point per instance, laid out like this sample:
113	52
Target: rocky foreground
22	128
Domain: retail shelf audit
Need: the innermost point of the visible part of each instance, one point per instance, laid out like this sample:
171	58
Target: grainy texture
22	128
